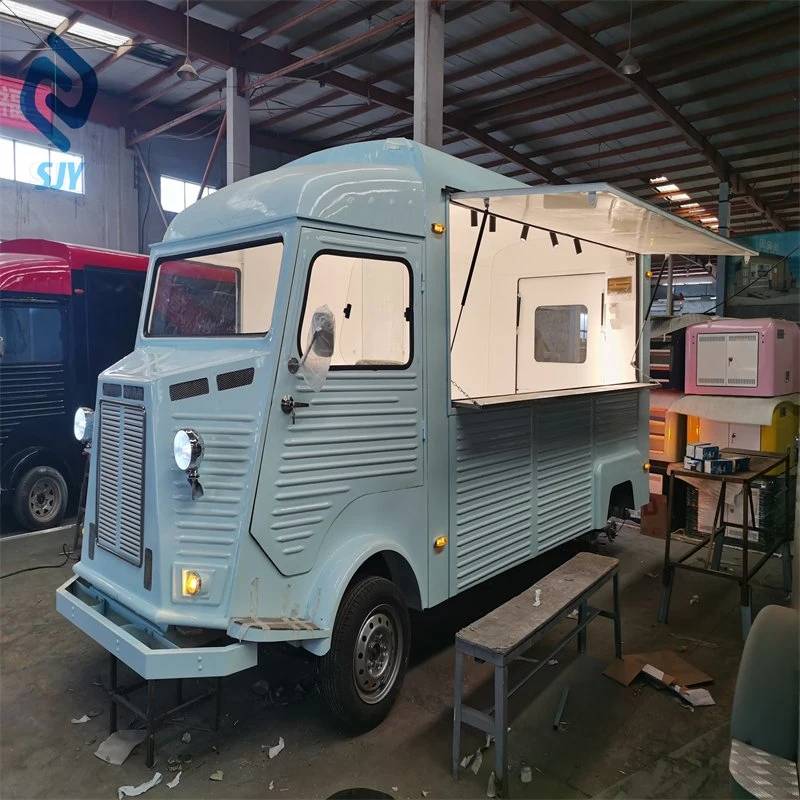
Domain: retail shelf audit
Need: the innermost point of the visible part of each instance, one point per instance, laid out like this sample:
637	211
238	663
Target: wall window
560	334
176	195
371	302
43	167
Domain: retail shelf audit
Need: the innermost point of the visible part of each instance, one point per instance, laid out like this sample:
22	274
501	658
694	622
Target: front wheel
40	499
361	675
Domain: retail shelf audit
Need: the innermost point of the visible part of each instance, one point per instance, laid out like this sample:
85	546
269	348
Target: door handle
289	404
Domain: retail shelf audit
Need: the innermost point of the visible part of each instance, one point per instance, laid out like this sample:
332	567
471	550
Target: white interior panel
484	351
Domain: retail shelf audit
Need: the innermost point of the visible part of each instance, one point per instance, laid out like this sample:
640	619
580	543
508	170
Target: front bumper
147	650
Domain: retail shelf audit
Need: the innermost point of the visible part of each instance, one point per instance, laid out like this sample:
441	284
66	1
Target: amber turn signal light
192	583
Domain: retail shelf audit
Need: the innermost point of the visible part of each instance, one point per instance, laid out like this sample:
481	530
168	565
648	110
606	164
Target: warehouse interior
357	355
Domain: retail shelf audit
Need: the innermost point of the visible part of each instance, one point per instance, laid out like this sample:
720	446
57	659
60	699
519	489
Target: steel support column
669	286
237	117
428	72
724	218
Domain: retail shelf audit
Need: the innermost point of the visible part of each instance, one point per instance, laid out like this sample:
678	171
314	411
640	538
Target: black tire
40	499
370	609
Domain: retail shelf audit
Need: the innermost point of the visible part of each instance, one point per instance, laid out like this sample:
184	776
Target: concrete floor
619	742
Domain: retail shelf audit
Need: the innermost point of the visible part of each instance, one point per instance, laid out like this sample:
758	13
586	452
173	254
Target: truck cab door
345	458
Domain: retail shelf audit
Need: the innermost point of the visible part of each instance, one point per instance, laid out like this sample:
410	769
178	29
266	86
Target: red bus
66	313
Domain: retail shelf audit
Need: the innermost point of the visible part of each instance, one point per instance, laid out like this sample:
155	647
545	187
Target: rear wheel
40	499
361	675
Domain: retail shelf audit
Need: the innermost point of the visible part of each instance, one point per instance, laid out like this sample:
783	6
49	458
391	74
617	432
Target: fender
335	576
30	457
627	465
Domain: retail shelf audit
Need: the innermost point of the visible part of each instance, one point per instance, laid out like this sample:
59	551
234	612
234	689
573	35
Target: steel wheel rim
44	499
377	655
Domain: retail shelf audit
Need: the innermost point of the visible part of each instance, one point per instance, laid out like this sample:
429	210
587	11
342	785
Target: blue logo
70	169
43	70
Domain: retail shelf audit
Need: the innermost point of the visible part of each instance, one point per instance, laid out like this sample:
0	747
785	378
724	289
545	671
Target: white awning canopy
741	410
603	214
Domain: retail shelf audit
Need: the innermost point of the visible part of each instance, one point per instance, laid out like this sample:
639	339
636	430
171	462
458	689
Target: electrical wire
325	69
757	278
203	132
65	551
147	206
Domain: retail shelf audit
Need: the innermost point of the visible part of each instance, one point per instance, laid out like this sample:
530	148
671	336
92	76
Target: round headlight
188	449
82	424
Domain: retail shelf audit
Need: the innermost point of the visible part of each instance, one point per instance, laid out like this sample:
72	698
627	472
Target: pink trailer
754	357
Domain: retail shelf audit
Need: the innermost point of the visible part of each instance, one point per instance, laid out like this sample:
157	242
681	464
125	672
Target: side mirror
320	340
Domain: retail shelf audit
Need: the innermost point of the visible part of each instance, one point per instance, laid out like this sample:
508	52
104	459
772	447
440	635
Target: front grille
120	483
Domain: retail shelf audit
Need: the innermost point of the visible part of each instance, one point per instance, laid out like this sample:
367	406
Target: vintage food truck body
362	390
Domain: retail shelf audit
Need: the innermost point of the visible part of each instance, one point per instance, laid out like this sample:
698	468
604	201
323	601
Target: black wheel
361	675
40	499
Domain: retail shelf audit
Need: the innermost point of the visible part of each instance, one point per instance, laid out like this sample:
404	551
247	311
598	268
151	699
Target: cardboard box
735	499
702	450
718	466
741	463
668	662
668	670
654	520
694	464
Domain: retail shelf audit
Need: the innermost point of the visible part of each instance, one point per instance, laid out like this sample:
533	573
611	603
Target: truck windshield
224	293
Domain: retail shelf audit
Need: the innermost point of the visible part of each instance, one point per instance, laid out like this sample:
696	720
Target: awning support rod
471	270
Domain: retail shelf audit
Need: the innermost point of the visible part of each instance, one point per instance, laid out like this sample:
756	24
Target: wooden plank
508	626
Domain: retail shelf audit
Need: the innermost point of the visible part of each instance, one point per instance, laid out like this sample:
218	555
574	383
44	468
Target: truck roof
33	274
395	185
42	266
386	185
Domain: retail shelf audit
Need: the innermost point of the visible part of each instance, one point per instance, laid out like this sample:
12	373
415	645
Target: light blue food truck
362	383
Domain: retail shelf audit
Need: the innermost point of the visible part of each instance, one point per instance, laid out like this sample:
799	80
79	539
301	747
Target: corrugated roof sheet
729	67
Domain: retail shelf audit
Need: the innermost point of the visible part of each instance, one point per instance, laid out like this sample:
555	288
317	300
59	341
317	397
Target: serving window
542	315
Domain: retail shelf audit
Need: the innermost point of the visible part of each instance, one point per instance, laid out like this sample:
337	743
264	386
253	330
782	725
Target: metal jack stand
78	541
153	721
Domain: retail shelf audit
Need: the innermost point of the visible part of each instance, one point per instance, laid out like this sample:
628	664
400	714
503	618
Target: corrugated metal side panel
616	416
28	391
359	435
120	495
493	493
208	529
563	452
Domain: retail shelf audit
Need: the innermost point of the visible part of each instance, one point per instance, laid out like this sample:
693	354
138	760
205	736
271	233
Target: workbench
507	633
761	465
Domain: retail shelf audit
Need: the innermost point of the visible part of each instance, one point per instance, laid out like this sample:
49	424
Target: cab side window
370	298
32	334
